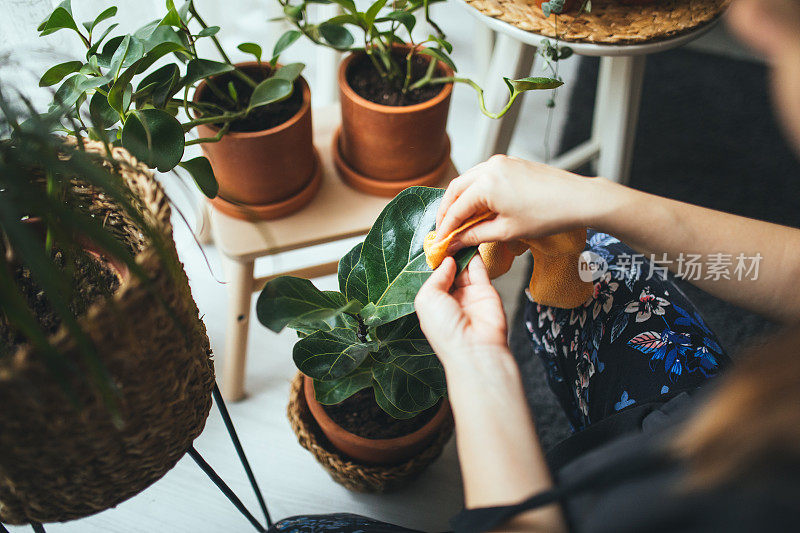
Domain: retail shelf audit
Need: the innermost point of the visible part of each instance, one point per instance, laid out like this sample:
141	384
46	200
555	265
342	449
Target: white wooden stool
616	110
337	212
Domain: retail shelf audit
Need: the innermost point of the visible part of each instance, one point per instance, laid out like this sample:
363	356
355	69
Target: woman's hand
468	319
531	200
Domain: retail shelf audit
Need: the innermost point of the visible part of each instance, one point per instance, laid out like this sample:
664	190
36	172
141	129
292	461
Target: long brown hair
751	425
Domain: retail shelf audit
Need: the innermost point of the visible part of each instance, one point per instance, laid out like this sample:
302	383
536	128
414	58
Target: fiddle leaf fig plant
381	27
367	334
135	99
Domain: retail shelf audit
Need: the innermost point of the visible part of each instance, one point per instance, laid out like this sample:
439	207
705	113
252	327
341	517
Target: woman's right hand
530	199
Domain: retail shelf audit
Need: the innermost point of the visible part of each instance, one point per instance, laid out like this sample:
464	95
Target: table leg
240	292
513	59
619	91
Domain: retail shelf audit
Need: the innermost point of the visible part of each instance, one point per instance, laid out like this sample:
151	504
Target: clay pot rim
305	107
322	418
348	91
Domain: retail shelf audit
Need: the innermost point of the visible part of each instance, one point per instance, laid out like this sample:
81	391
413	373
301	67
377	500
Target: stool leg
203	227
240	292
482	47
513	59
619	92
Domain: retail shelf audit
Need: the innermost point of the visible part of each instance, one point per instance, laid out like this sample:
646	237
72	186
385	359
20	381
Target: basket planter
357	475
383	149
59	463
264	174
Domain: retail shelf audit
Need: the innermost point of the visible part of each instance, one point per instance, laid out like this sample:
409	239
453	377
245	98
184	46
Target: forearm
655	225
501	459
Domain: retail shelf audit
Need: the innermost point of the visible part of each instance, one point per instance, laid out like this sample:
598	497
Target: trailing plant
134	99
40	175
367	333
382	26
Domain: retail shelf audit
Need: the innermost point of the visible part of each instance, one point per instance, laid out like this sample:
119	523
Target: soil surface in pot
368	84
261	118
91	281
360	414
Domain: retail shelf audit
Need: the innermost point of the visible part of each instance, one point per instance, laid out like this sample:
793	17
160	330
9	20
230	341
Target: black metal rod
226	417
3	528
37	527
226	490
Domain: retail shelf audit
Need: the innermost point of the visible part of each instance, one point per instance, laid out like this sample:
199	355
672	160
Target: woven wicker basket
58	463
355	476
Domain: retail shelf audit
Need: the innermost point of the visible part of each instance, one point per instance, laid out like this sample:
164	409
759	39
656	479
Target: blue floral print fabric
335	523
638	337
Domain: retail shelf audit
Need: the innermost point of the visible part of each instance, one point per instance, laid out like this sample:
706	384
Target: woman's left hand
467	319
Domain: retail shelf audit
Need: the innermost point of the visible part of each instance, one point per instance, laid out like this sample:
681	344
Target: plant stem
479	90
216	138
225	117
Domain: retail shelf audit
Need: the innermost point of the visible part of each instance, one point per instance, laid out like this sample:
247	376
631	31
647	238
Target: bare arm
501	459
533	200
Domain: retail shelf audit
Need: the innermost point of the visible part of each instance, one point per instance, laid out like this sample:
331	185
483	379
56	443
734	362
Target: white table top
589	49
336	212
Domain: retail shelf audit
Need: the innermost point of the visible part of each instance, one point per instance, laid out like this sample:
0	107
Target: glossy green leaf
105	55
329	355
60	18
103	115
74	89
154	137
337	36
56	74
99	40
338	390
403	17
443	43
440	55
251	48
404	337
202	174
391	265
160	85
208	32
352	275
407	385
372	12
199	69
289	72
129	51
307	327
159	51
269	91
284	41
295	301
105	15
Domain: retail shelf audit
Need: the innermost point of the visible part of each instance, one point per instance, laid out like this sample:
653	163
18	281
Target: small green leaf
403	17
293	12
61	18
337	36
338	390
159	85
443	43
269	91
289	72
56	74
440	55
251	48
92	51
532	84
199	69
203	175
105	15
284	42
348	5
154	137
329	355
208	32
372	12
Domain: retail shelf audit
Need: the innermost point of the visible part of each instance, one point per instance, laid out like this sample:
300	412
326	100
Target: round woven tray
355	476
58	463
609	22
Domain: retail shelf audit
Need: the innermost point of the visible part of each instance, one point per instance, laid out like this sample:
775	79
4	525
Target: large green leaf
293	302
269	91
329	355
199	69
337	36
407	385
391	266
59	19
338	390
203	175
159	86
103	115
56	74
154	137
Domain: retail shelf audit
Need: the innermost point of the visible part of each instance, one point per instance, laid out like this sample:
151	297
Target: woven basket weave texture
58	463
609	22
352	475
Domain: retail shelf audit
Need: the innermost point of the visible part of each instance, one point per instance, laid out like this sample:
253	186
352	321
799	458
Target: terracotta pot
384	149
264	174
376	451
